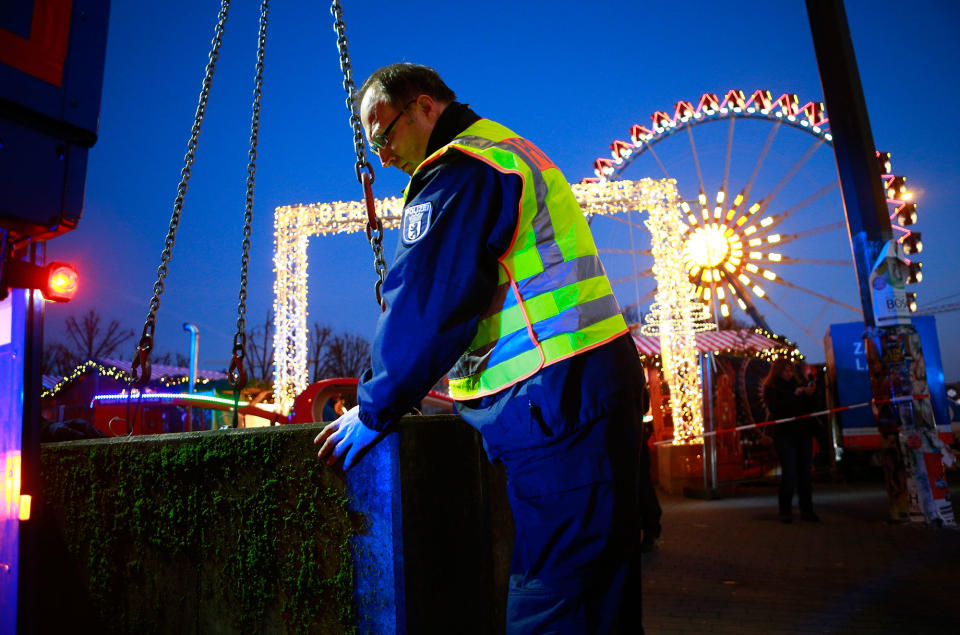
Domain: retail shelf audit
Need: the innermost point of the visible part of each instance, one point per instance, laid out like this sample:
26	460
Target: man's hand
346	439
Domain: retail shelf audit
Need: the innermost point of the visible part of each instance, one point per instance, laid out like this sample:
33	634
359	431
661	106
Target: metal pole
709	442
712	439
705	388
192	375
864	200
30	451
892	342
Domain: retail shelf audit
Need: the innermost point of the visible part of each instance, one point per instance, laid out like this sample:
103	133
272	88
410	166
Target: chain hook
236	374
373	221
375	237
359	168
141	360
140	368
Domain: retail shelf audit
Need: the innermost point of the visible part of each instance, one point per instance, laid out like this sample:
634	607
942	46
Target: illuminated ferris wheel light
706	246
713	252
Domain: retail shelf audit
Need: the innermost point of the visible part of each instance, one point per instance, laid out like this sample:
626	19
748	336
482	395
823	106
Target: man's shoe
810	517
786	518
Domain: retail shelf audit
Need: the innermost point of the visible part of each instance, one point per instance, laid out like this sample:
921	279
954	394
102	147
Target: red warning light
62	282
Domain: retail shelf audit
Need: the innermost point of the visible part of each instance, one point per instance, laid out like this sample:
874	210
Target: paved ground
730	566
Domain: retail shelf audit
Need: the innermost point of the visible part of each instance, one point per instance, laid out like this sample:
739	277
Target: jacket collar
454	119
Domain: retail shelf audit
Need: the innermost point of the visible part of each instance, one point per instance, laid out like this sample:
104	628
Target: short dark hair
401	83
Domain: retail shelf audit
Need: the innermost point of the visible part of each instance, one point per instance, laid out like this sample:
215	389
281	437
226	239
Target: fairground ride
763	232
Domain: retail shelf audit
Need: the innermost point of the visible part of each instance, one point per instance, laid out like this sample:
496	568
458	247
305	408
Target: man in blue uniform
497	278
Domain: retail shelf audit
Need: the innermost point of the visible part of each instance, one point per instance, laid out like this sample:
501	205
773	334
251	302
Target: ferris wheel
763	229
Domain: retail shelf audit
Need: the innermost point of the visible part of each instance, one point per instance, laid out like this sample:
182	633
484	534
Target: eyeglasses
380	141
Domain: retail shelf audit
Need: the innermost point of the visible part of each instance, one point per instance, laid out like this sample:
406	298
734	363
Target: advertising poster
913	454
887	287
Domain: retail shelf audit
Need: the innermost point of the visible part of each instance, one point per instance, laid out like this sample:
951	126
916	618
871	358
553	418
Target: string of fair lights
295	224
112	372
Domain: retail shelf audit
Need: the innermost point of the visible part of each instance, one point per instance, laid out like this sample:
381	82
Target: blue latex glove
346	439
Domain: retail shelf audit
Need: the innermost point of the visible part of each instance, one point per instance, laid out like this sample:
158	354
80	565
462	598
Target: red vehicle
308	406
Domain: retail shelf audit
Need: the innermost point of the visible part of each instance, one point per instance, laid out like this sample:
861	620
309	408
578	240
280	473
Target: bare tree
260	350
57	359
347	355
88	338
172	359
90	341
316	355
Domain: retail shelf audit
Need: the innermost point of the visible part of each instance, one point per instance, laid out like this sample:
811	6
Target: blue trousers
576	557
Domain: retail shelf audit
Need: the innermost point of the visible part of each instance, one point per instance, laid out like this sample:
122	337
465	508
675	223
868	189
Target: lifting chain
363	168
236	374
140	367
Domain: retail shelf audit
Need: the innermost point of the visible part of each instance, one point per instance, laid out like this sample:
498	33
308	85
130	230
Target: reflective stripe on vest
554	299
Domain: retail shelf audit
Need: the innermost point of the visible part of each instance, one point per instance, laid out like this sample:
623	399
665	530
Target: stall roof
162	370
734	341
120	369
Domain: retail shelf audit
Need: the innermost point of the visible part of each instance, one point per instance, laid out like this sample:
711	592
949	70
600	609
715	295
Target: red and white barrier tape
805	416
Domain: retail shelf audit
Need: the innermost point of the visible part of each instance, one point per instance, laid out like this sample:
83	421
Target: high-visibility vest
553	300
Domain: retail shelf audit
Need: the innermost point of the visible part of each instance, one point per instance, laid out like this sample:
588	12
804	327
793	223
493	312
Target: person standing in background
785	397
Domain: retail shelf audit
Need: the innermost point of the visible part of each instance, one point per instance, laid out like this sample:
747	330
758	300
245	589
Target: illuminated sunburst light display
710	246
727	252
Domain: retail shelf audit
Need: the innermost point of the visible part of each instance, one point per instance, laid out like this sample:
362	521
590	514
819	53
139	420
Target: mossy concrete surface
237	531
245	531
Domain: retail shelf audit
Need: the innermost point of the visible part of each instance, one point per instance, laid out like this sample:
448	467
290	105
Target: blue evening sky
571	76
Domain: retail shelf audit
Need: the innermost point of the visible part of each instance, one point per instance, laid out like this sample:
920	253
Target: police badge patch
416	221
